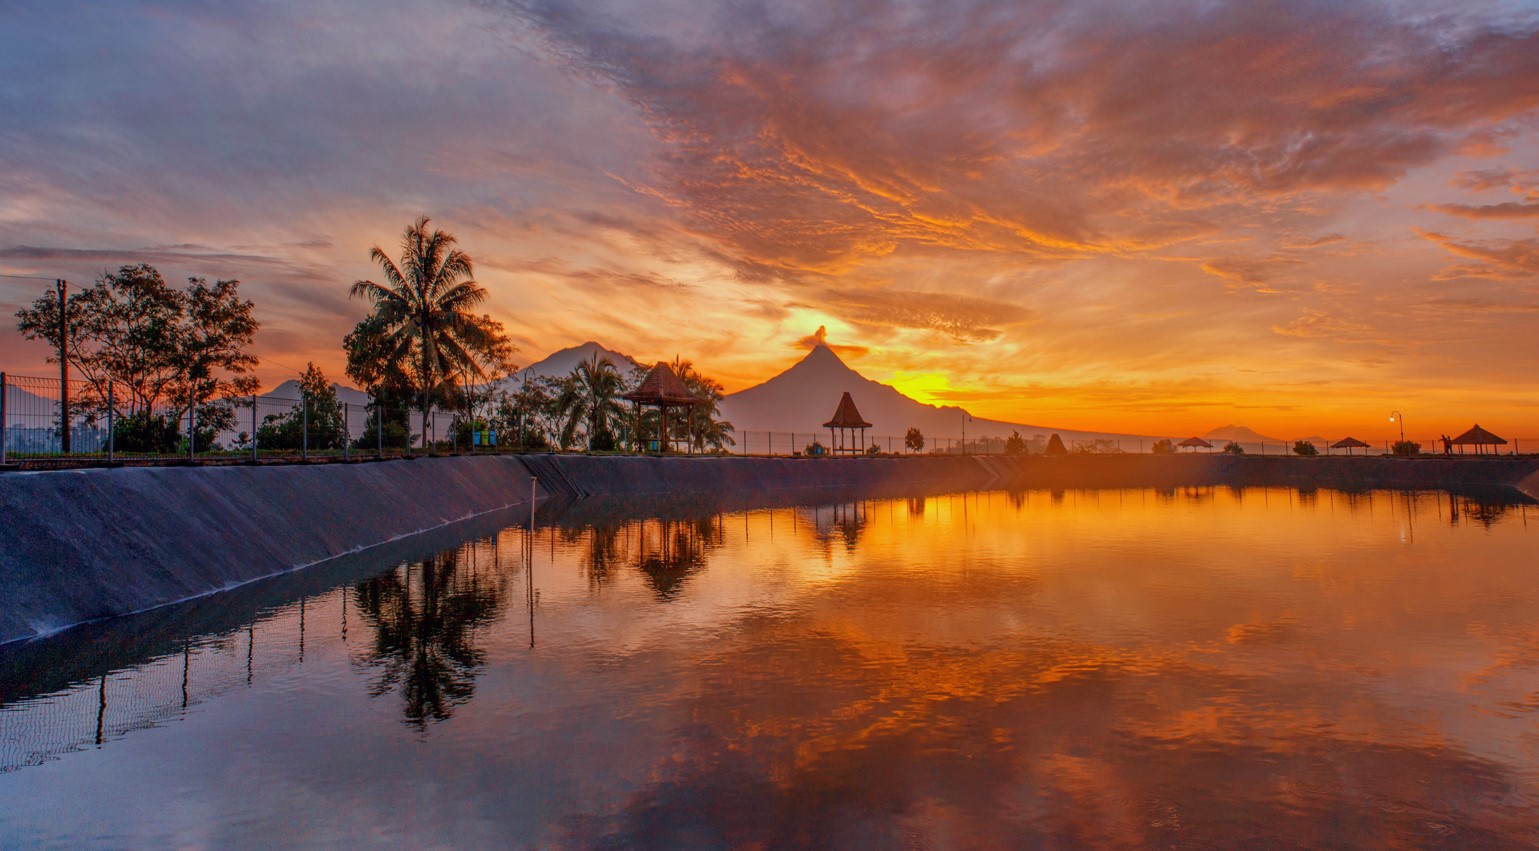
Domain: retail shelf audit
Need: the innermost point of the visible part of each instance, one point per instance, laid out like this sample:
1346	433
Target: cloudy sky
1145	216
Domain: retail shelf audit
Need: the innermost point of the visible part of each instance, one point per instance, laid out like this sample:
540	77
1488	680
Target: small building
663	390
845	426
1193	443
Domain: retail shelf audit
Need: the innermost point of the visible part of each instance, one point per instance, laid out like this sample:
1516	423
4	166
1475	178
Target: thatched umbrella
1193	442
1478	438
1349	444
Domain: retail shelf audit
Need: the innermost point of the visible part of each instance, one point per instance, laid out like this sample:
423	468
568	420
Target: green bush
1406	448
1234	448
1164	447
1305	448
147	432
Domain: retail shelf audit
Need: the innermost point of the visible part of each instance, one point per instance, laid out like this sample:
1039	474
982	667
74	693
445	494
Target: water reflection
425	619
669	550
1193	667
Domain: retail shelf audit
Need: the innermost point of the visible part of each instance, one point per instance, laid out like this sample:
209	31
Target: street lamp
1397	417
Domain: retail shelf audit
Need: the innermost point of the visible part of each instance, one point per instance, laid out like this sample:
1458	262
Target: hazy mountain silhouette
288	391
1240	434
560	364
803	397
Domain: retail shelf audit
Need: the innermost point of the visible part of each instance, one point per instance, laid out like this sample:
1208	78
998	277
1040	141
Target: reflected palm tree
605	548
669	551
425	618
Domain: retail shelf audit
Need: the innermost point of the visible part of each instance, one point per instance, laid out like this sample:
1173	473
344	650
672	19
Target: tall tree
423	332
155	343
704	424
316	420
590	398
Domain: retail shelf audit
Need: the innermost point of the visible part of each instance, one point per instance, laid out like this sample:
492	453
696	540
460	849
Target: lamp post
1397	417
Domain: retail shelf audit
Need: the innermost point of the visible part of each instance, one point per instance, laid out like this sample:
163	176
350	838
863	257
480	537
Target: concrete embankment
1347	473
85	544
88	544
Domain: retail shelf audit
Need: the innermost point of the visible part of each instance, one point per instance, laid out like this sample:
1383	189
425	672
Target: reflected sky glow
1201	666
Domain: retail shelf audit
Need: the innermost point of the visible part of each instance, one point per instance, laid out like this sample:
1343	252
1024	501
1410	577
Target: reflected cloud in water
1196	666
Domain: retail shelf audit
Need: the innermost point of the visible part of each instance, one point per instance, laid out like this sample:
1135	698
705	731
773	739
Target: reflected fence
105	423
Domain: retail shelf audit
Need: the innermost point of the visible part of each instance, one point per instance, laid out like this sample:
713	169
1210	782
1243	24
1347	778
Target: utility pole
62	287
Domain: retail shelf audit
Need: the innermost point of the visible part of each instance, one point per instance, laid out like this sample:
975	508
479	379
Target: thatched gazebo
662	389
1349	444
1193	443
846	423
1478	438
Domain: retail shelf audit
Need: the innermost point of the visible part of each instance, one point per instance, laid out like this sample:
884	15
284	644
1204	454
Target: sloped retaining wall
580	476
84	544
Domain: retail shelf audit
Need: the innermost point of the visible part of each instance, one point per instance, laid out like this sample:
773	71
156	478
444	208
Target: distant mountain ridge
1240	434
803	397
560	364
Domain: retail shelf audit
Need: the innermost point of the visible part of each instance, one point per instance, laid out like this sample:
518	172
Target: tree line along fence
103	427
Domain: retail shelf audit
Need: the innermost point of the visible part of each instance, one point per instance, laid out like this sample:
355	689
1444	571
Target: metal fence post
253	428
347	435
304	428
192	425
379	429
111	425
3	393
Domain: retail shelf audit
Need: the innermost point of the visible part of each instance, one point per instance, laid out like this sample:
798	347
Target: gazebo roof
1478	436
662	387
1349	443
1195	441
846	416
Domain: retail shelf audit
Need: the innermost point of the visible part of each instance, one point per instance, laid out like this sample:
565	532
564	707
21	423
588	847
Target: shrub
1164	447
1015	444
1305	448
1406	448
1234	448
143	431
914	440
814	449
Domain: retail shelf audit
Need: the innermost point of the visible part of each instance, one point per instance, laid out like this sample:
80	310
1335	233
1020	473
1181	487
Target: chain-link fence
824	443
94	422
106	423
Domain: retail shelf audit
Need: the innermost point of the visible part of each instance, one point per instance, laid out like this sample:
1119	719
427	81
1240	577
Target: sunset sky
1153	217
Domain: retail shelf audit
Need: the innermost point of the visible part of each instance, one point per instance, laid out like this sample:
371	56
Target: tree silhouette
423	331
425	618
590	398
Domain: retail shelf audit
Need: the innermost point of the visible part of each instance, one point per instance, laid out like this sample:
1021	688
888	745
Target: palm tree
705	429
423	311
590	396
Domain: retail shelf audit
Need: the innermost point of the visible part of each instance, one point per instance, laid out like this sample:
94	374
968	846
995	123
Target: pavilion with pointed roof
663	390
1478	438
1193	443
844	427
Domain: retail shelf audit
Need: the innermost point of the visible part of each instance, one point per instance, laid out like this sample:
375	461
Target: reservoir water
1203	667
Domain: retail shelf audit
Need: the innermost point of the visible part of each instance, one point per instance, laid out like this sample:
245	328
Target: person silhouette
1447	444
